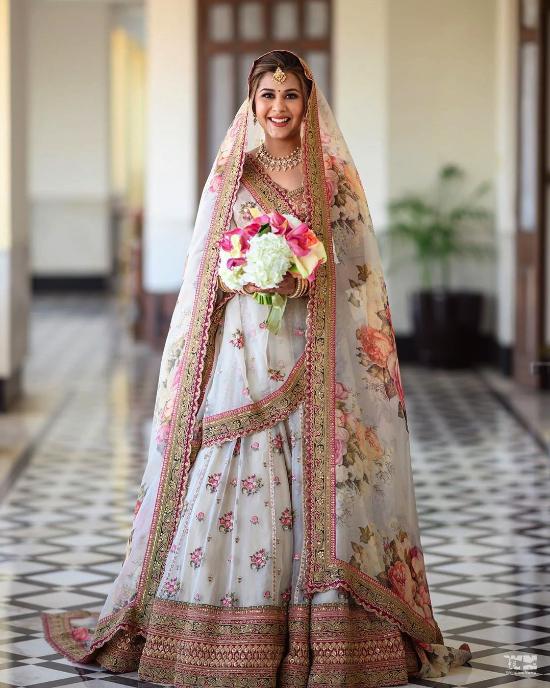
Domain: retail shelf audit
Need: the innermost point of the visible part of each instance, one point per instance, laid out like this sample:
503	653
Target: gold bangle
298	288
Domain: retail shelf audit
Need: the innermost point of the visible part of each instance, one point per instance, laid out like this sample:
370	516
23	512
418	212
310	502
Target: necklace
270	162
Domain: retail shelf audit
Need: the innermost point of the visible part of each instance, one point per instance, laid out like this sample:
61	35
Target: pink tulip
279	224
300	239
235	262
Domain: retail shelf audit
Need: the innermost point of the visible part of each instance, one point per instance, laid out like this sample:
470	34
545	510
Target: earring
255	120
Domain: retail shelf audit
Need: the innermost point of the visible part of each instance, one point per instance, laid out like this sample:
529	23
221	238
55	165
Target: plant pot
446	327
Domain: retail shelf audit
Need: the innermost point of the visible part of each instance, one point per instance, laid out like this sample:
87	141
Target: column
506	172
171	175
14	266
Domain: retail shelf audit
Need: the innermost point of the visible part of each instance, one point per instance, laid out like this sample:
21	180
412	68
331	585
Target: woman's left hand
286	286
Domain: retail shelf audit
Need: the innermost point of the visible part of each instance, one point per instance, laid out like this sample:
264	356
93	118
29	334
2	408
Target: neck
280	148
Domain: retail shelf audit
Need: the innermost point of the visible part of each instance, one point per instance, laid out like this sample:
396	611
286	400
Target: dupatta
361	522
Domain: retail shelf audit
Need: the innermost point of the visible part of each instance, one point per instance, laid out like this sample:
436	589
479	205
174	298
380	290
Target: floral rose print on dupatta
404	571
362	463
376	351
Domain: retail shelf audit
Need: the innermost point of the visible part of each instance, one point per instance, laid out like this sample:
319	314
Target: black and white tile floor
482	485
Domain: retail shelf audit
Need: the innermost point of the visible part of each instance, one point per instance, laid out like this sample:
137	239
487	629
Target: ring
250	293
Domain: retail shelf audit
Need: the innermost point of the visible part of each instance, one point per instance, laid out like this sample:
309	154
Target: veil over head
361	524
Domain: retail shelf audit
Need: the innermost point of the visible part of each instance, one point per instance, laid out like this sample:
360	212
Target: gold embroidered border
173	480
57	631
258	415
199	645
264	647
324	570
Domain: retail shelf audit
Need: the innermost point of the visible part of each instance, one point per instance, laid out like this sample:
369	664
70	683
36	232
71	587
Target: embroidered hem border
263	647
258	415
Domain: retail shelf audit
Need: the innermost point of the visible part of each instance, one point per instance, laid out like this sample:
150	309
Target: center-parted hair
288	62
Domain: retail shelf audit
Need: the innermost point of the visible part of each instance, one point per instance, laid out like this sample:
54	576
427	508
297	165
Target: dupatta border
259	415
179	449
324	570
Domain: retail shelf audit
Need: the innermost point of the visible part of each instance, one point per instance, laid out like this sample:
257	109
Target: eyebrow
287	90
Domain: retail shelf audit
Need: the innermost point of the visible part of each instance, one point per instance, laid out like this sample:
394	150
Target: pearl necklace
270	162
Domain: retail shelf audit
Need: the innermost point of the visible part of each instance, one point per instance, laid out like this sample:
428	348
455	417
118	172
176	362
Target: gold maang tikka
279	76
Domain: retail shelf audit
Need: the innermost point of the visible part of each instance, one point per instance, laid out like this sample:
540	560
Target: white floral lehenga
275	540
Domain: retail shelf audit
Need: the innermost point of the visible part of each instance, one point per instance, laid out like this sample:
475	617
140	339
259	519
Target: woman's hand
286	286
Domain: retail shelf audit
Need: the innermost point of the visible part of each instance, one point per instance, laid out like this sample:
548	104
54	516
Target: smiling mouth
279	120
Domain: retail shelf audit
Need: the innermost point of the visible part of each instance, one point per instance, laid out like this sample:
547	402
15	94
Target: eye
267	95
292	95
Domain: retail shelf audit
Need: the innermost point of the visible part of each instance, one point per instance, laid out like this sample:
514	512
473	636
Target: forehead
291	81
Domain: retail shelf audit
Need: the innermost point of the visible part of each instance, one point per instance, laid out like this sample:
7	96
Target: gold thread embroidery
258	415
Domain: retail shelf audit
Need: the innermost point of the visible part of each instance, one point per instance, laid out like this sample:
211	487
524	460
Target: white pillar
14	270
506	172
171	177
361	93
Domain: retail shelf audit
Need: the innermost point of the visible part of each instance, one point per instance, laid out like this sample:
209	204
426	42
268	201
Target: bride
275	540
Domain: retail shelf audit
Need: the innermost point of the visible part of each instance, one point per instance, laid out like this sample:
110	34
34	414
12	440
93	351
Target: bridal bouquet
264	251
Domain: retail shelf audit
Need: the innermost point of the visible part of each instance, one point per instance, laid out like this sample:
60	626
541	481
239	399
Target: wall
69	138
441	110
414	88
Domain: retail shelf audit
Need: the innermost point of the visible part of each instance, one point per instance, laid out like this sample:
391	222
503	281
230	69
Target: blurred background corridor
111	112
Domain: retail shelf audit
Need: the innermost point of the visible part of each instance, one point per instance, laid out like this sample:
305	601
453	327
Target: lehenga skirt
230	610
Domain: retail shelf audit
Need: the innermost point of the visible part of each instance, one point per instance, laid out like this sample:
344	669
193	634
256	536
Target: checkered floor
482	485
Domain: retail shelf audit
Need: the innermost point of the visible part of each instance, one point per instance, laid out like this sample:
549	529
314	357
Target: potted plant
441	227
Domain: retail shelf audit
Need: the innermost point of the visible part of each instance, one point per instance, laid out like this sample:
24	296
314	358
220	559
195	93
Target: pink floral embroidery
276	480
281	363
233	482
299	332
294	438
245	390
171	588
296	557
254	520
262	326
259	559
287	519
251	485
255	446
230	600
213	482
197	597
275	375
267	594
196	557
286	595
237	339
277	443
81	635
230	558
226	522
200	516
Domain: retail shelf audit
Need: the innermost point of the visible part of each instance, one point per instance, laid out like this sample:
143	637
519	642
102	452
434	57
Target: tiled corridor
72	458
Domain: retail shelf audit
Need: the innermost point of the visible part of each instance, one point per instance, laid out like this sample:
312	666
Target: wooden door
232	33
531	200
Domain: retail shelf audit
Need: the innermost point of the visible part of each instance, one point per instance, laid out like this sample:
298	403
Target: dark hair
288	62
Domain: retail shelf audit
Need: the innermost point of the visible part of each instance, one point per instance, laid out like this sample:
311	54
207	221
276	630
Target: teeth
280	120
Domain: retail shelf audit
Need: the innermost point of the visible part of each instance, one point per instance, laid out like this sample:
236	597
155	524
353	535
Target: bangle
223	286
302	286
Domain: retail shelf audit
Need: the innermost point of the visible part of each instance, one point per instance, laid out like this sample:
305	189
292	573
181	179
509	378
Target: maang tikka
279	76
